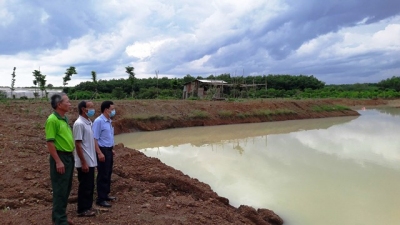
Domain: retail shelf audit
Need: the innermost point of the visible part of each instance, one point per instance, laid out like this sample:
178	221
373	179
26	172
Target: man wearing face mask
85	157
103	133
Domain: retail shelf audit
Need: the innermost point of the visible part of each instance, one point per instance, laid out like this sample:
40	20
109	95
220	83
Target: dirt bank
148	191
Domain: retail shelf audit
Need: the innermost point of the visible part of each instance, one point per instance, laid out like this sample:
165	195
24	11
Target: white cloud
353	44
44	17
144	49
5	16
178	37
389	38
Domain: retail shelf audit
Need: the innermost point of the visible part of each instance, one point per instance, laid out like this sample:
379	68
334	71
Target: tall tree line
152	87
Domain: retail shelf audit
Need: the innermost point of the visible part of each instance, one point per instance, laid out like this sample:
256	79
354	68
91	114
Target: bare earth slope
148	191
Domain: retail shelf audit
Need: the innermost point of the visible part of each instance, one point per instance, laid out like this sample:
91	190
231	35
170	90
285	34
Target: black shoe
104	204
111	198
87	213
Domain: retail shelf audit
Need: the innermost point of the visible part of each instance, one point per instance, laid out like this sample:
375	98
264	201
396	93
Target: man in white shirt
85	157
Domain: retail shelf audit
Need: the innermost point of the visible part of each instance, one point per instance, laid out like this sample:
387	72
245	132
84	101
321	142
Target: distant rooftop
213	81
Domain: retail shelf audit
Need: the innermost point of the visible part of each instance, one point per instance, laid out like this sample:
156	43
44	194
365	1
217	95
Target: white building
28	92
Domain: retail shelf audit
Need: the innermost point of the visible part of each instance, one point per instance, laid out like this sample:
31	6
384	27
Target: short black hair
80	105
106	105
55	99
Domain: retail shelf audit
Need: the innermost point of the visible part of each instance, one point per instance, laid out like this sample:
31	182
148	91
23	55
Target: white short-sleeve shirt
82	131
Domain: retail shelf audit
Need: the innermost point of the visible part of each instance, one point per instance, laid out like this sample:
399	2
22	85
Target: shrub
3	94
267	113
243	115
198	114
284	111
81	95
262	112
142	117
225	113
118	93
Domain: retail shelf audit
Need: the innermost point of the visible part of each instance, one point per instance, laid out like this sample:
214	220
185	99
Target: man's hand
85	167
60	167
101	157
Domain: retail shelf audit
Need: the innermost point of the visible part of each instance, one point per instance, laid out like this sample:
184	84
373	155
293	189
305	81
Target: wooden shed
203	88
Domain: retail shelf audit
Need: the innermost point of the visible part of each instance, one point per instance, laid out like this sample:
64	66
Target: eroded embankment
210	114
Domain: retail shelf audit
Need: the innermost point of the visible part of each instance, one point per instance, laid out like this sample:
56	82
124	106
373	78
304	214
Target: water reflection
389	110
324	171
198	136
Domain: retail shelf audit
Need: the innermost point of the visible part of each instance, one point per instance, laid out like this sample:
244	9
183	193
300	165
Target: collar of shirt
87	121
105	118
60	117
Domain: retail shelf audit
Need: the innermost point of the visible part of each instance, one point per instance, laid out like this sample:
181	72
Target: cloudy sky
338	42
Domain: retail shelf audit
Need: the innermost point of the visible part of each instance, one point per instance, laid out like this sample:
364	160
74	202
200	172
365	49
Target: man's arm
96	134
100	155
79	152
53	152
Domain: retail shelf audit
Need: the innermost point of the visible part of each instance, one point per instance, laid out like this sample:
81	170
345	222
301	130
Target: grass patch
284	112
267	112
225	113
329	108
198	114
243	115
262	112
149	117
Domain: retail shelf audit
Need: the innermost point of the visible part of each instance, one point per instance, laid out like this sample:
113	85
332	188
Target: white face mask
91	112
112	114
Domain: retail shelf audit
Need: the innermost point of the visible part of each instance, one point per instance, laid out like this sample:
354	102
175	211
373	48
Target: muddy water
310	172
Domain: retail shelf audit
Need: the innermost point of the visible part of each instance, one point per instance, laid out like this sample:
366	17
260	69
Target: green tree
175	87
42	84
94	79
13	83
131	78
188	78
390	83
3	94
36	81
70	71
118	93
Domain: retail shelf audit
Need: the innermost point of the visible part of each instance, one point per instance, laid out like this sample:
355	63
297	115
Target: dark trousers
85	189
61	184
104	171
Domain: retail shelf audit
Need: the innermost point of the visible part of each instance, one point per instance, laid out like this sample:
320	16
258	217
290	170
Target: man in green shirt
60	143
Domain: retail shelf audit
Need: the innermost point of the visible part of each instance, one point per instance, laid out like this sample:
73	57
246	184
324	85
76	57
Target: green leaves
40	80
13	81
131	78
70	71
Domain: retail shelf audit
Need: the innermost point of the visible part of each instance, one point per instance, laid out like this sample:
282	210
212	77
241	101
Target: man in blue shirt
103	133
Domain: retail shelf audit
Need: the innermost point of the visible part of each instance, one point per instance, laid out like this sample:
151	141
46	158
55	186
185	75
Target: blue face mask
112	114
90	112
